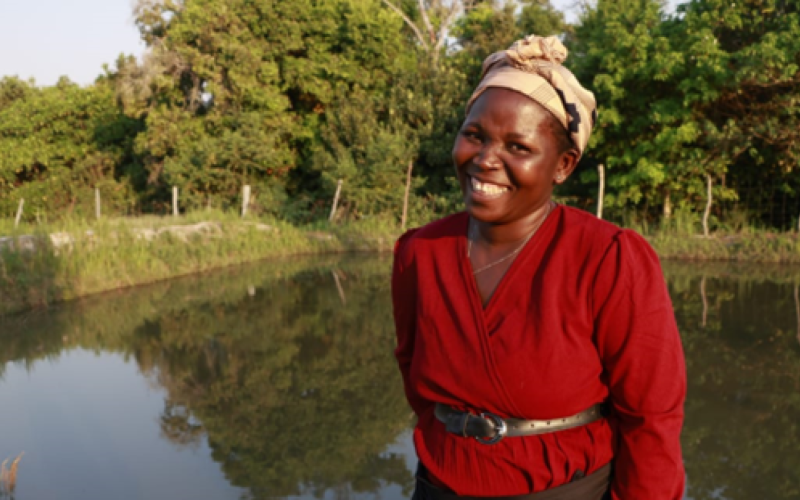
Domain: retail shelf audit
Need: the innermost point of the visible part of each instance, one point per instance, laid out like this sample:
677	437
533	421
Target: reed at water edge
8	476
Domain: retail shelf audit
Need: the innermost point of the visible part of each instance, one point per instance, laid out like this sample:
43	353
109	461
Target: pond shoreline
49	267
38	270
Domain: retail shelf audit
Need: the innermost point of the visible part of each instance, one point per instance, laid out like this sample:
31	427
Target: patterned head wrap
532	66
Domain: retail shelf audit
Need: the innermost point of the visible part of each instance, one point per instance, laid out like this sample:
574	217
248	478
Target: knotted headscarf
532	66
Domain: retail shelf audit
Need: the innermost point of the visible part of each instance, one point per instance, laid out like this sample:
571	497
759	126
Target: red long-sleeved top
582	316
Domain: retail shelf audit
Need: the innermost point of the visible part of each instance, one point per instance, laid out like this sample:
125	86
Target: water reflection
280	377
740	331
294	392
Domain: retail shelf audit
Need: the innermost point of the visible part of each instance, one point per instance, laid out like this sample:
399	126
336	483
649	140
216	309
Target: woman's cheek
458	152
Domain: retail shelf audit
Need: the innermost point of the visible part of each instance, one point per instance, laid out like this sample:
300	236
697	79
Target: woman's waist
513	466
537	403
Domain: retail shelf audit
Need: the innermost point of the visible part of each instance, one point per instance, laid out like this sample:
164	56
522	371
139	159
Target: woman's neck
513	232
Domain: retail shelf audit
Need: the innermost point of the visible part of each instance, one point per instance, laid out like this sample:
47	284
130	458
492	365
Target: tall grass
119	252
116	253
734	238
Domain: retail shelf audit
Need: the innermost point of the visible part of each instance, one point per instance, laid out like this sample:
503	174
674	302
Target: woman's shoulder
446	228
580	220
598	234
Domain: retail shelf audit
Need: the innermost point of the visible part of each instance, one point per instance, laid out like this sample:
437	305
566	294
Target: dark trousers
595	486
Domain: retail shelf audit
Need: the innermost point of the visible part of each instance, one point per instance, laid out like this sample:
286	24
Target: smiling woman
534	327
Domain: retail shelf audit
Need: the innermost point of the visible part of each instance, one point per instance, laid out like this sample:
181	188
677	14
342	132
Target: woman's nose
487	158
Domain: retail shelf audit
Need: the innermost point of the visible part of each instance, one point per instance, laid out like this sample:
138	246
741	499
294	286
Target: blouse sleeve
404	303
643	361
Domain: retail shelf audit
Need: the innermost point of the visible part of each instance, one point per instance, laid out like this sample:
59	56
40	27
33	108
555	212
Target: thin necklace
512	254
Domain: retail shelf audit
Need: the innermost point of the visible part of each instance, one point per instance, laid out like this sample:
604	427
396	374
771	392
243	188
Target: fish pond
276	380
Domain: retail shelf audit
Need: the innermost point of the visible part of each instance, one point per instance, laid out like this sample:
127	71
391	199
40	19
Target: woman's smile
486	190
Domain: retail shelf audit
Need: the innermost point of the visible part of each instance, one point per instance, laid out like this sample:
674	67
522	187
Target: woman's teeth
486	188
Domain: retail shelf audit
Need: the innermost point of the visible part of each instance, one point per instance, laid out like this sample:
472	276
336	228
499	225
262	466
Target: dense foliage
290	97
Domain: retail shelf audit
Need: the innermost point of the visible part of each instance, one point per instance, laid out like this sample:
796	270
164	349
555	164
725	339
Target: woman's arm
638	341
404	302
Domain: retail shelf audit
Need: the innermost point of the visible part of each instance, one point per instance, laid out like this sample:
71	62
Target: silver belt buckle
500	429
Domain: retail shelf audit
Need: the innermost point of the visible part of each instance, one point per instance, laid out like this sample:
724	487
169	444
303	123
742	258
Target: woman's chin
483	212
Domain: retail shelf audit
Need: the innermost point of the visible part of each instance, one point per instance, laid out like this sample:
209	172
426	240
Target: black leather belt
488	428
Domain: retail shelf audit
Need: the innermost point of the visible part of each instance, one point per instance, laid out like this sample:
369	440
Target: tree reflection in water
295	392
742	434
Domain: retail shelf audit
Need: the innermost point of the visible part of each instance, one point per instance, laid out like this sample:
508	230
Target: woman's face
507	158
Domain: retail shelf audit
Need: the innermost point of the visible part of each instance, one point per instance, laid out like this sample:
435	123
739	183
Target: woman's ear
566	165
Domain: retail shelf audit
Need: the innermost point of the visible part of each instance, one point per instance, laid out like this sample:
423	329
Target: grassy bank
743	246
90	258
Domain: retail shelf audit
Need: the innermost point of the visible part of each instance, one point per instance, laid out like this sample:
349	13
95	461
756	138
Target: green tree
622	51
743	87
708	94
58	144
240	92
13	89
539	17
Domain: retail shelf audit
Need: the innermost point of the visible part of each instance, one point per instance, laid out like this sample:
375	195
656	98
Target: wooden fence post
405	196
708	205
97	202
601	190
19	212
335	199
174	201
245	199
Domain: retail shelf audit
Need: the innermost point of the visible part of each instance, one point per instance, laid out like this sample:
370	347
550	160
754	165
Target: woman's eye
471	135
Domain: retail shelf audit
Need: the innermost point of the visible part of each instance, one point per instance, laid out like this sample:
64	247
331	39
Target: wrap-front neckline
530	254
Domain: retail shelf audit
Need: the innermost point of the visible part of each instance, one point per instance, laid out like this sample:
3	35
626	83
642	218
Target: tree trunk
431	41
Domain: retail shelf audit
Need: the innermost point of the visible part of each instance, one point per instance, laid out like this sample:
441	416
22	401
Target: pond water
276	380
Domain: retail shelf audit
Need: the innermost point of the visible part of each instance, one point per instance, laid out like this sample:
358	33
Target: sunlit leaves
59	143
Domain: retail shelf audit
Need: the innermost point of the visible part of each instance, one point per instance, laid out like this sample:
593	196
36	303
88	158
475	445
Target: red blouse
582	316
